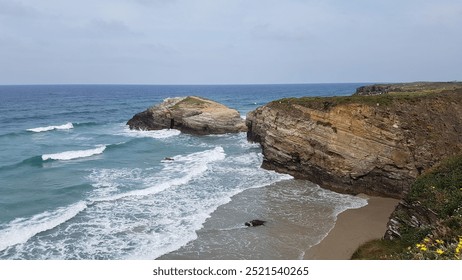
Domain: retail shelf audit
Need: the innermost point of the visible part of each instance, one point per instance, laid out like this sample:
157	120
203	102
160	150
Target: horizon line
204	84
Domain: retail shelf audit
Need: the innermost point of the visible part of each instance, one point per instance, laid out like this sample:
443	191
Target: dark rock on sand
255	223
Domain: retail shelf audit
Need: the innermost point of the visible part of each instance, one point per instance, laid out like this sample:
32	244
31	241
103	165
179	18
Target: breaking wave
20	230
70	155
66	126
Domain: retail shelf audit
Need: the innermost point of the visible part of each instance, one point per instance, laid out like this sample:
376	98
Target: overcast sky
229	41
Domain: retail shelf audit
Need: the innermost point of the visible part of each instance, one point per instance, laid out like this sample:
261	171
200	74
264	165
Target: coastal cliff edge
375	142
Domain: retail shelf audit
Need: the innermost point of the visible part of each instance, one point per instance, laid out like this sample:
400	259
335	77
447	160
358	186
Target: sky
229	41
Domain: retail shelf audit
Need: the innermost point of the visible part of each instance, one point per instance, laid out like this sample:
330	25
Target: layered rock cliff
361	144
190	115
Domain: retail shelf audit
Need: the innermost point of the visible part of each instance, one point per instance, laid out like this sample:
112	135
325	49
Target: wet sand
299	214
353	228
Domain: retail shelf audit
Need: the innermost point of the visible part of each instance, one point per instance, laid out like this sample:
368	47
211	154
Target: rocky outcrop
416	88
433	205
190	114
360	144
410	215
373	90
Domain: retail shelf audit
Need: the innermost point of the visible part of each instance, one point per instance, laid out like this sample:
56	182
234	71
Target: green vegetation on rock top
398	93
428	87
441	189
191	101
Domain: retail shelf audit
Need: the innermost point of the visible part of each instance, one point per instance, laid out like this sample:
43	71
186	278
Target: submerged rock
190	114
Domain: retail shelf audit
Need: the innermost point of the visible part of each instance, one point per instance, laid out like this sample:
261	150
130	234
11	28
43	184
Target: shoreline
298	225
353	228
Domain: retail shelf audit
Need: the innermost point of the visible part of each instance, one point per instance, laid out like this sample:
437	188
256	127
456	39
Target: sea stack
192	114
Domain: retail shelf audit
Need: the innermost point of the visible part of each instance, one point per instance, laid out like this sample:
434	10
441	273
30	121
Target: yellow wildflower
426	239
439	251
439	241
422	247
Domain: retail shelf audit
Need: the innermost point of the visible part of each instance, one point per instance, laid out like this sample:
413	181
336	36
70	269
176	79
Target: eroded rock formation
361	144
190	114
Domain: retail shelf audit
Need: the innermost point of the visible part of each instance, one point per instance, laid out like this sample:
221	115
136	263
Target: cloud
101	29
274	33
11	8
434	14
229	41
153	2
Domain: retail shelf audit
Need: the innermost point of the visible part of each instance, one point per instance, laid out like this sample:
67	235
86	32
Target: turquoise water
76	183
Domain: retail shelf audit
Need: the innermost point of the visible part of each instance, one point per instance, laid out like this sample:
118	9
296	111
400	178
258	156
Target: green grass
326	103
440	191
412	92
380	250
190	101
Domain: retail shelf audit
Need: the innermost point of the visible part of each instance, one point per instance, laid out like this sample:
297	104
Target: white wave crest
20	230
183	169
66	126
156	134
69	155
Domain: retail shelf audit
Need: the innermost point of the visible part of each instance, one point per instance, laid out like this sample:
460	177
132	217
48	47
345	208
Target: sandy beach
299	215
353	228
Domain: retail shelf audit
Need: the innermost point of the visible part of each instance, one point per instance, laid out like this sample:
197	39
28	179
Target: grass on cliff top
439	190
191	101
326	103
402	93
429	87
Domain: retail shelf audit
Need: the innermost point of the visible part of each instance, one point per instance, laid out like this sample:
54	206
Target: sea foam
20	230
182	170
69	155
66	126
145	223
156	134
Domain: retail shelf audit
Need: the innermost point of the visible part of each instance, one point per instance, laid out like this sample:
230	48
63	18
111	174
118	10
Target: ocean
76	183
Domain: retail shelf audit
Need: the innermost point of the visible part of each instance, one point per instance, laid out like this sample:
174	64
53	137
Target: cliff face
191	115
375	145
